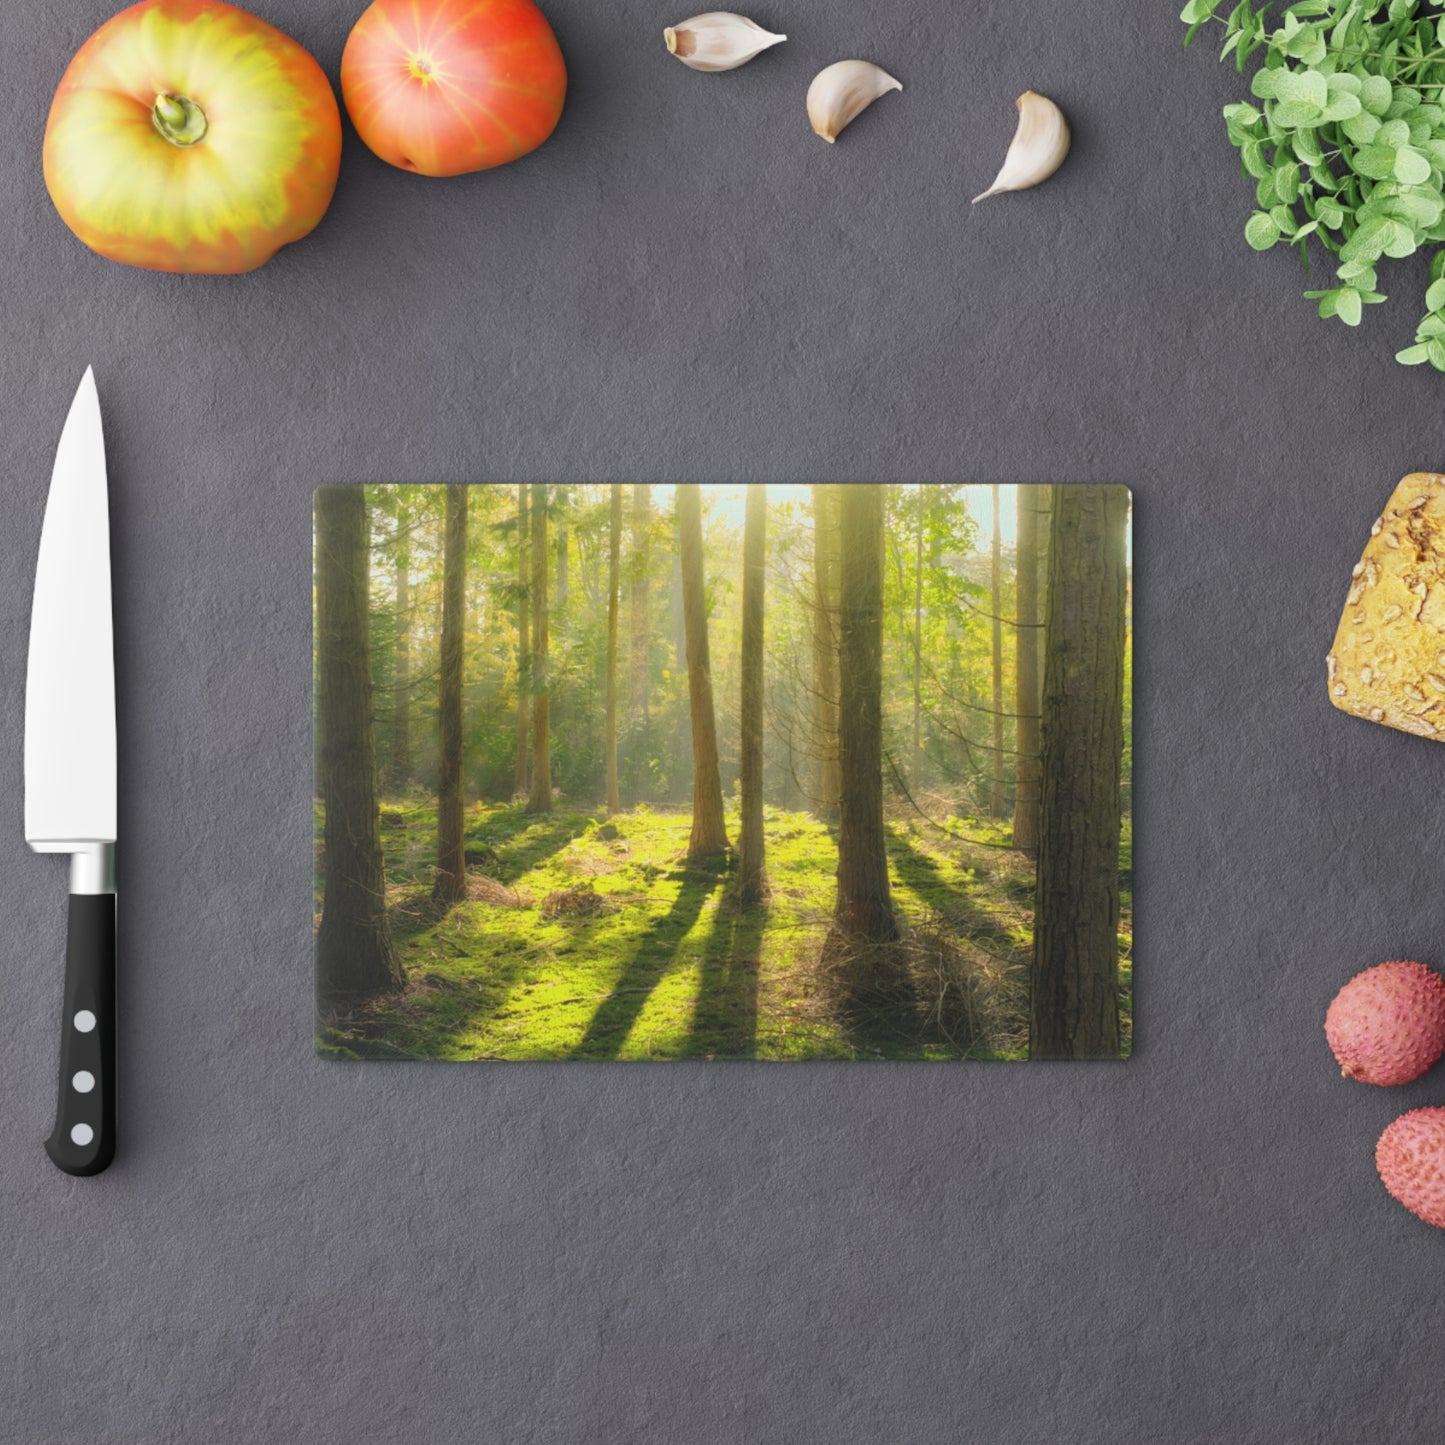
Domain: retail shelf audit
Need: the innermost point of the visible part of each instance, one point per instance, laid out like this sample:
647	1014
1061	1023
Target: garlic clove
843	91
1038	148
718	40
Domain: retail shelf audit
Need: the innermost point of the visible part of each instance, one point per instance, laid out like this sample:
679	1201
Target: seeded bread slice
1388	661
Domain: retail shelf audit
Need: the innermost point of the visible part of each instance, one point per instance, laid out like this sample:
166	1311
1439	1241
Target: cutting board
707	771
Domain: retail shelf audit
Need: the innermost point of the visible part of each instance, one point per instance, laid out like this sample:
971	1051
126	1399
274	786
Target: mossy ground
592	938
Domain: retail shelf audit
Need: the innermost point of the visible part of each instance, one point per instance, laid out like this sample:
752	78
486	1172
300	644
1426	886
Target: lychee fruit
1411	1159
1387	1024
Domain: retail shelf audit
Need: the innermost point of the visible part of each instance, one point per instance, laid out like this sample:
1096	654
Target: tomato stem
179	119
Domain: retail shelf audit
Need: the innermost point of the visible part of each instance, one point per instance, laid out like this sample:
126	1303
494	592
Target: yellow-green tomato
187	135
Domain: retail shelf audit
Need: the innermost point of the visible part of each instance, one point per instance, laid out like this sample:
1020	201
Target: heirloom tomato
188	135
443	87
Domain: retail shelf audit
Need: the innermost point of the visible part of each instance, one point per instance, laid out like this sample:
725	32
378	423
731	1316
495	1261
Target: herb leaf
1343	140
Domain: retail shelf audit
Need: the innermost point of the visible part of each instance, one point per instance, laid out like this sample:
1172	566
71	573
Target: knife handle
83	1141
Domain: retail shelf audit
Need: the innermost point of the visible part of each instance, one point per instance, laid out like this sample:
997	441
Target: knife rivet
85	1021
82	1134
83	1082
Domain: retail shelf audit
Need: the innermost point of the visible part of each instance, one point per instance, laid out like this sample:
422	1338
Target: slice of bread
1388	660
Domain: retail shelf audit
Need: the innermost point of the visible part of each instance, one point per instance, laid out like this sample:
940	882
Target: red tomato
442	87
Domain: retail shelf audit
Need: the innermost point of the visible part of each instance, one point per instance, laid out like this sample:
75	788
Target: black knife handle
83	1141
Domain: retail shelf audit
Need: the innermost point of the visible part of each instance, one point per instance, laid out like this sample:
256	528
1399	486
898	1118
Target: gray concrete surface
685	283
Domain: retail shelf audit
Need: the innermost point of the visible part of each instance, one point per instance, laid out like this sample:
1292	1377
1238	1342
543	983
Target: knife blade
70	773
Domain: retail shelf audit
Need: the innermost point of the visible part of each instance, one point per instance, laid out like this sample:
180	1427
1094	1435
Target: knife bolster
92	868
92	863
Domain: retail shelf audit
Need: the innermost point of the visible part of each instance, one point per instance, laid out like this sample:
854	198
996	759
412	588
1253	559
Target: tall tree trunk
678	614
559	510
825	646
639	590
709	836
524	641
1074	980
995	796
401	692
614	563
864	907
751	882
1026	663
1044	500
354	951
557	515
451	874
540	799
914	767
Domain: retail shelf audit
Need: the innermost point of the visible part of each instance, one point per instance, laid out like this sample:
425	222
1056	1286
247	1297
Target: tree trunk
913	769
354	951
614	560
1027	690
709	835
1044	499
524	642
557	516
401	691
995	796
559	510
639	591
1074	980
864	907
825	646
751	882
678	614
540	799
451	874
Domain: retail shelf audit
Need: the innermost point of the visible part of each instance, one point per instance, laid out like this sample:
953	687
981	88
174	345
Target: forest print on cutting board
779	772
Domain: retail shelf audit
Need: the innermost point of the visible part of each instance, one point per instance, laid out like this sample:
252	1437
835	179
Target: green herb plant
1347	144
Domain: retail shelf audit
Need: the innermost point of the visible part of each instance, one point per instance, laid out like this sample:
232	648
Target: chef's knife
70	773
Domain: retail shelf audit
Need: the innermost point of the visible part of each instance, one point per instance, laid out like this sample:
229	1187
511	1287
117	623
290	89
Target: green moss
639	955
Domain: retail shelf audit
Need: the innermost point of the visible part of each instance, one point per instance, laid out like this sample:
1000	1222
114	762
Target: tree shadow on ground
442	1011
504	846
922	875
725	1020
871	989
969	971
528	840
412	913
654	957
441	1007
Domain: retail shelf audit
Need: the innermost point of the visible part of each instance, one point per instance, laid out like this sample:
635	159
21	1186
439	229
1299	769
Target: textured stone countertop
686	284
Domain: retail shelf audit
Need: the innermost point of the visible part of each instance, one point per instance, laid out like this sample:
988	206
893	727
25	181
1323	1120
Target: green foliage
1347	143
938	628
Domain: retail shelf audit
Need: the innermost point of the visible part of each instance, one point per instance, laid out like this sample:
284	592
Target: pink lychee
1387	1024
1411	1159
